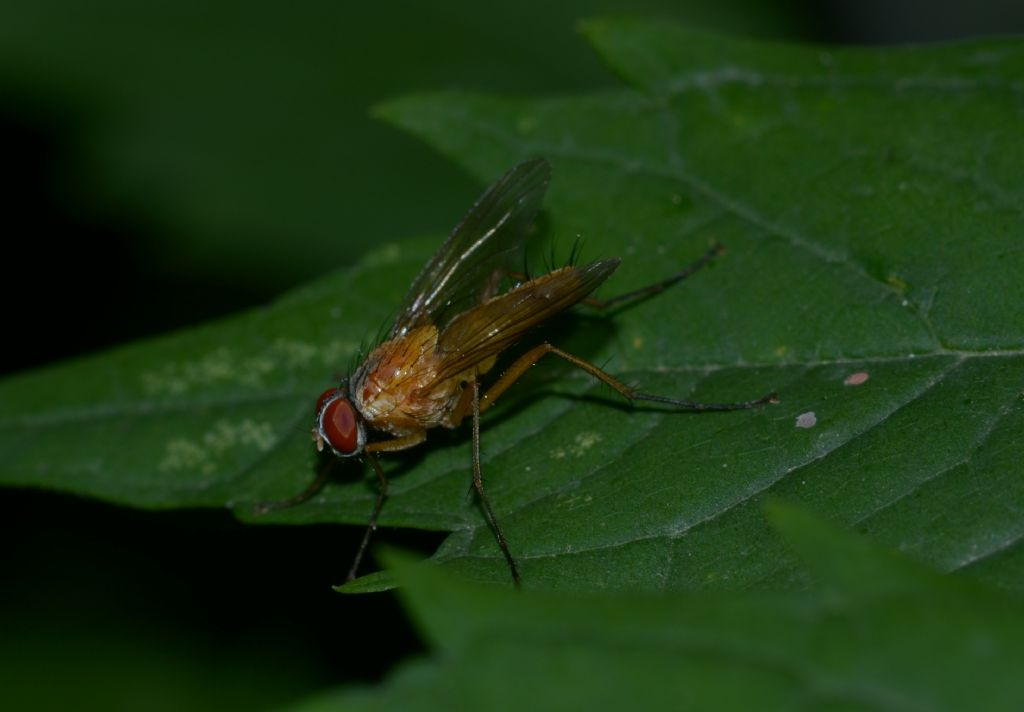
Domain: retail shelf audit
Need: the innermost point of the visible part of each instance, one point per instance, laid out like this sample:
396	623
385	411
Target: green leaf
870	204
834	646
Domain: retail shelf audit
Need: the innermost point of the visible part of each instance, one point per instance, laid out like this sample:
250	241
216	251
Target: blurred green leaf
107	664
870	204
907	639
238	131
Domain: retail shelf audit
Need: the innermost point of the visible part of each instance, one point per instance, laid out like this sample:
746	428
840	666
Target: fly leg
515	372
382	487
657	287
371	526
382	490
315	486
478	482
524	362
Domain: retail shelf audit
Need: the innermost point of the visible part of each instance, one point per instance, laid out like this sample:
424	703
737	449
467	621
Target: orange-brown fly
451	328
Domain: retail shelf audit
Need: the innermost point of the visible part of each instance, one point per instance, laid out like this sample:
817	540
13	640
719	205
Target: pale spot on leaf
855	379
580	444
205	454
806	420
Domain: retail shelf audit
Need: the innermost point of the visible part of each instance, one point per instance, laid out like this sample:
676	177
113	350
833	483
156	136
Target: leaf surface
869	201
863	637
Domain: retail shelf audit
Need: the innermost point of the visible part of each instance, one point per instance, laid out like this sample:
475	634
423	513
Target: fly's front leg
321	479
524	362
393	445
371	527
315	486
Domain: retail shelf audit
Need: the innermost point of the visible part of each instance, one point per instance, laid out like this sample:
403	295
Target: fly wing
490	238
495	325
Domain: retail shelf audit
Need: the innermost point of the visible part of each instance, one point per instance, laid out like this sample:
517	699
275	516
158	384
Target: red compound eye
324	397
339	425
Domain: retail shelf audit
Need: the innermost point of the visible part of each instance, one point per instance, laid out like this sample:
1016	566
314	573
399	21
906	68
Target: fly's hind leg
480	403
657	287
524	362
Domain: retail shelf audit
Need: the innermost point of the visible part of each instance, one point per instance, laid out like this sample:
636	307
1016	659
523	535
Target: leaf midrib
101	411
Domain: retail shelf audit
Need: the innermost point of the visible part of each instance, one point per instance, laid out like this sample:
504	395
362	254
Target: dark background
169	162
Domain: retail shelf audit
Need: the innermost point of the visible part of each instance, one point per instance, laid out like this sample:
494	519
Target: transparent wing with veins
497	324
489	239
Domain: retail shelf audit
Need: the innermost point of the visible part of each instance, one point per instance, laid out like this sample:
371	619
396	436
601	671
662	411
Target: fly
452	326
